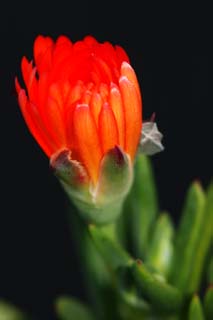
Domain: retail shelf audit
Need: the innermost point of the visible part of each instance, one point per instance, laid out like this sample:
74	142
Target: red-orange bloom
83	96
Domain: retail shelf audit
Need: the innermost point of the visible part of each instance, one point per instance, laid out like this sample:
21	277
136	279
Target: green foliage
208	303
70	309
141	267
195	309
141	207
161	246
11	312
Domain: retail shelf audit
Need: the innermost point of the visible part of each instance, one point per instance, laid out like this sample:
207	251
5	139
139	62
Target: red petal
87	141
121	55
43	53
133	117
90	41
33	122
108	130
118	110
26	68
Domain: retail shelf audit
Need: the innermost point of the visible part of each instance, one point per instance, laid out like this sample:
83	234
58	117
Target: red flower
81	96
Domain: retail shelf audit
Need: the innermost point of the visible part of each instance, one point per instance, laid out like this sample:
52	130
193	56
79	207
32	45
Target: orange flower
81	96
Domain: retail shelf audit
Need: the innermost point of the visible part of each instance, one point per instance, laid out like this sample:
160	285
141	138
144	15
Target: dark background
169	48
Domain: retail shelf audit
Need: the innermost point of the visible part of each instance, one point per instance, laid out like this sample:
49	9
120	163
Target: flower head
81	101
82	96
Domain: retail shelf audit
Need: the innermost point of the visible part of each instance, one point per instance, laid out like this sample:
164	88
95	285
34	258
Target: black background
169	47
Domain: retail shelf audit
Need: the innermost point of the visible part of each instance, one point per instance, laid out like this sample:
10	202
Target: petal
95	106
127	70
32	120
121	55
90	41
86	139
55	123
133	117
118	110
43	47
108	130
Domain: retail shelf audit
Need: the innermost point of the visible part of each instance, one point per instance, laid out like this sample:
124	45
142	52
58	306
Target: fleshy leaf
151	139
195	309
133	307
160	251
192	242
208	303
11	312
69	308
210	270
160	294
112	253
140	208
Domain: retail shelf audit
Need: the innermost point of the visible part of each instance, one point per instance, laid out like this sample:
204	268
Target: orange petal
104	91
127	70
55	123
75	93
108	130
118	110
87	141
95	106
133	117
86	97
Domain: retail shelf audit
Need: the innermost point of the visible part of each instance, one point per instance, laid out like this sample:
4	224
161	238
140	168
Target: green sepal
100	204
11	312
192	242
71	175
195	309
208	303
115	179
112	253
141	207
68	308
160	252
159	294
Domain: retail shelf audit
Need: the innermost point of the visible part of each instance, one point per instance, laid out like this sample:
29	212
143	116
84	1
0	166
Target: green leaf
132	307
192	242
160	294
210	271
161	247
141	206
10	312
113	254
208	303
96	276
71	309
195	309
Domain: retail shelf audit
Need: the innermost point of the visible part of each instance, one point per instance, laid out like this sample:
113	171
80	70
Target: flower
83	97
83	106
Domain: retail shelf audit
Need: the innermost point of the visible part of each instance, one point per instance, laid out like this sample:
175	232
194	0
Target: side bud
102	203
